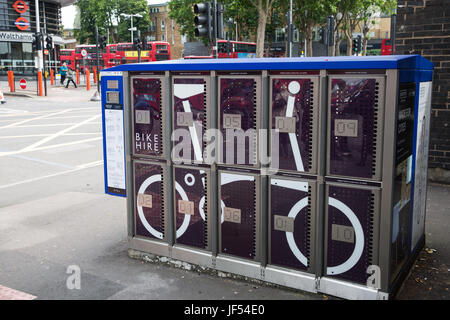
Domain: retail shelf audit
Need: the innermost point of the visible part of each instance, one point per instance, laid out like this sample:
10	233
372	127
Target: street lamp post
131	16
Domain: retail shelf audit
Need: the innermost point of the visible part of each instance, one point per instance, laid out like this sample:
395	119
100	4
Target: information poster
114	138
421	162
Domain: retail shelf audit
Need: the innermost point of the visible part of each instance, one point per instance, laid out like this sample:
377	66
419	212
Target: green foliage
182	11
105	14
132	7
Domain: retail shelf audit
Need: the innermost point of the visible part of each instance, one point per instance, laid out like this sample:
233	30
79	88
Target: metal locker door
147	99
352	219
149	200
191	206
292	206
190	115
294	115
239	219
355	126
239	113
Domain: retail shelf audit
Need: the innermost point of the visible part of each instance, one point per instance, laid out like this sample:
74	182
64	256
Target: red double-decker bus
122	53
386	47
235	49
231	49
67	56
90	60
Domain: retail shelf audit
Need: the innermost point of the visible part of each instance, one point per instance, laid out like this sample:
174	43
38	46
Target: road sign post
23	84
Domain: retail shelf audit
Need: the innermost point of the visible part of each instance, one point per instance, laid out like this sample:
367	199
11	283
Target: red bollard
41	91
94	69
78	77
88	80
11	81
52	74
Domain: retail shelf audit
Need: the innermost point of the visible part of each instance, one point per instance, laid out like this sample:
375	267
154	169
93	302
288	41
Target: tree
263	8
308	14
105	14
360	13
131	7
243	13
183	13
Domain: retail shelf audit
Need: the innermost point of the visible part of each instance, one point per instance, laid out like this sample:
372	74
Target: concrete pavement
54	215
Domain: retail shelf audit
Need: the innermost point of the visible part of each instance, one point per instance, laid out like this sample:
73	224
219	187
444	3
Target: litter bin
310	173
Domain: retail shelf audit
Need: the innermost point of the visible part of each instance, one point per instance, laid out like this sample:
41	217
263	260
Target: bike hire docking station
342	209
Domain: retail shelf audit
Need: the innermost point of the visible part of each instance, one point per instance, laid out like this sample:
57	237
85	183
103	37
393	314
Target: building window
279	35
163	37
163	25
173	25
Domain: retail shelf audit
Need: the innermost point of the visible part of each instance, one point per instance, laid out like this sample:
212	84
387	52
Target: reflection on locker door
191	207
238	114
290	222
146	99
238	214
148	200
351	232
293	123
190	114
355	126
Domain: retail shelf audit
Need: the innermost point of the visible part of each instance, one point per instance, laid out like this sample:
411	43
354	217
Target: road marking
11	294
62	165
53	125
7	110
78	168
49	134
10	153
34	119
59	133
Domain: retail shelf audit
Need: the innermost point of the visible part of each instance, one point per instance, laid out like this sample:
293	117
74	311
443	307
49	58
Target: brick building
423	27
162	28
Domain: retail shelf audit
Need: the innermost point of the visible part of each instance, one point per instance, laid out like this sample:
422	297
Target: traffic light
36	44
324	36
330	27
203	20
49	41
102	42
137	44
357	45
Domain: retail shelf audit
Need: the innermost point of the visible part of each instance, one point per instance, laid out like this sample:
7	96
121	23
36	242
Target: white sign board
421	164
115	148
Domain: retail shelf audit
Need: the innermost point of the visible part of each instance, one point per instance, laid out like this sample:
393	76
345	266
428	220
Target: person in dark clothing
69	77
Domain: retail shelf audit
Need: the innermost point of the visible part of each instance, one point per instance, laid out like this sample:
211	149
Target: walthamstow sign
16	36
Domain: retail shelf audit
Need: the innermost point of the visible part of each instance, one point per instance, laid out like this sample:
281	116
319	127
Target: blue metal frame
315	63
103	96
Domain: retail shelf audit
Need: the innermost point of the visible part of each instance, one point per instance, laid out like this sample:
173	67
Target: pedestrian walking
69	77
63	72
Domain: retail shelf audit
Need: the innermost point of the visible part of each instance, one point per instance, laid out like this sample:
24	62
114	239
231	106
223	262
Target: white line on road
59	133
52	125
10	153
33	119
49	134
57	164
78	168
